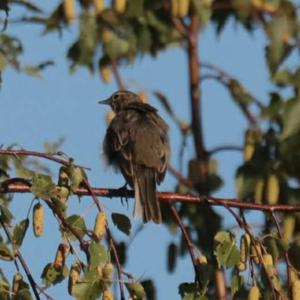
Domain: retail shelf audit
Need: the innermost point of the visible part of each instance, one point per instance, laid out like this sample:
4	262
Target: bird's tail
146	202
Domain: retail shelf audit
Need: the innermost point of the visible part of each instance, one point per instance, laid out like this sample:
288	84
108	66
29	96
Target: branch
83	244
26	269
167	197
286	256
223	76
225	148
181	178
110	239
189	245
116	73
180	26
66	162
194	79
49	156
242	223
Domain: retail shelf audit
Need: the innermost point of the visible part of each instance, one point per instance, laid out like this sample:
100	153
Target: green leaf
187	289
20	231
245	183
24	172
136	290
239	93
135	9
52	275
276	54
6	215
204	10
4	287
278	28
275	246
282	78
149	289
78	224
222	236
122	222
205	271
144	39
76	175
42	186
172	256
3	62
83	50
33	71
291	120
5	253
23	294
274	109
226	251
237	282
116	47
98	255
90	290
192	296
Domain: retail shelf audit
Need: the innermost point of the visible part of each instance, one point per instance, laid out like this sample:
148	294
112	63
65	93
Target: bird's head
120	99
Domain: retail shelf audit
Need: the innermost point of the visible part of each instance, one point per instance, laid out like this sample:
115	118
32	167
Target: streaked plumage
137	143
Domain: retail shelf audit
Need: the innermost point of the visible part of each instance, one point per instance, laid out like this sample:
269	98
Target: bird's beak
106	101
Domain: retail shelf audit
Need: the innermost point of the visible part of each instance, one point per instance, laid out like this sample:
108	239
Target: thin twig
110	238
49	156
243	224
224	77
225	148
180	26
116	73
286	256
83	244
181	178
189	245
26	269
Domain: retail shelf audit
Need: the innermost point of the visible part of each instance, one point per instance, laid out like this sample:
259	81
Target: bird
137	143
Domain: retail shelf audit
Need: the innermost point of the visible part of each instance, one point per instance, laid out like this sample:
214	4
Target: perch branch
167	197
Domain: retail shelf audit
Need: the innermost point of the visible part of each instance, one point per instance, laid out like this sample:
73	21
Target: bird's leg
123	189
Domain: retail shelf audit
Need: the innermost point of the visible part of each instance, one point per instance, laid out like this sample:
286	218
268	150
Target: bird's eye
116	96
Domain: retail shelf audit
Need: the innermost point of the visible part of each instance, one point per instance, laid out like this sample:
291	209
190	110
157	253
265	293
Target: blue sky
64	105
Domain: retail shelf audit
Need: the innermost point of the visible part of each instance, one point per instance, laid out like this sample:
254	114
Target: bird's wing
117	148
151	148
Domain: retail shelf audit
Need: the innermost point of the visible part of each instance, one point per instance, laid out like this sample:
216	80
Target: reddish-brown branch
182	179
286	255
260	257
220	284
168	197
110	240
49	156
180	26
26	269
65	224
116	73
194	79
189	245
243	224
